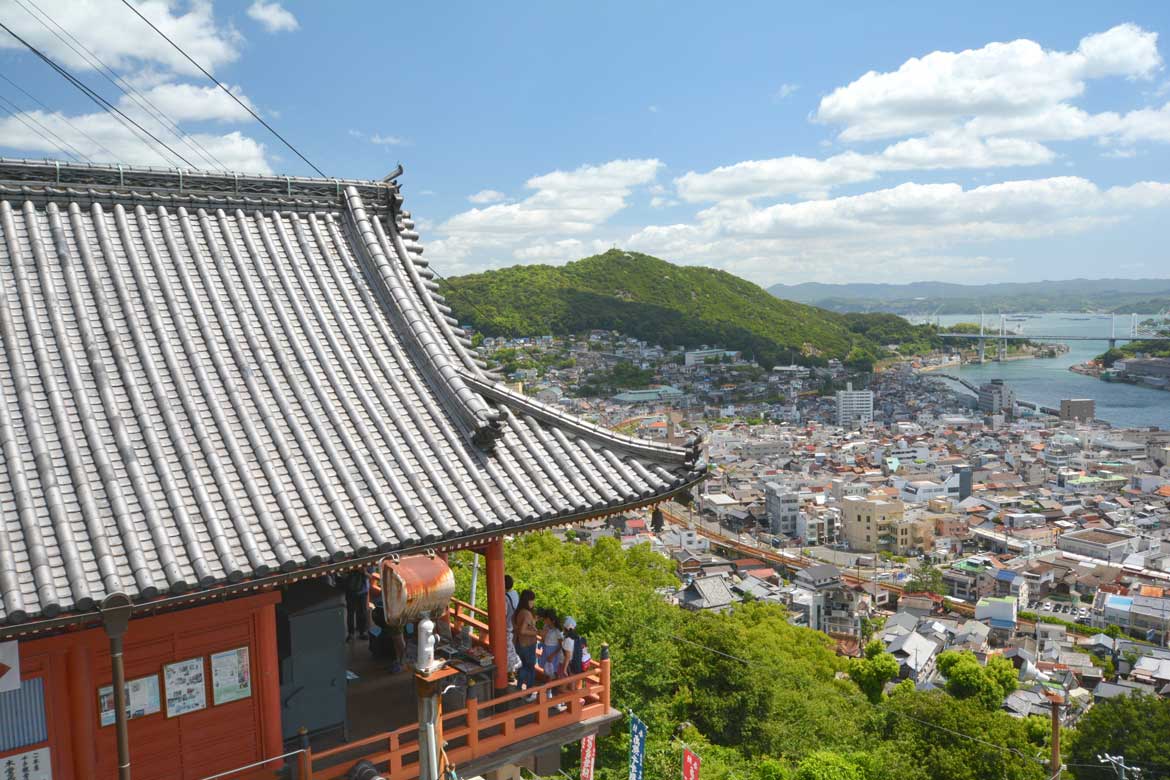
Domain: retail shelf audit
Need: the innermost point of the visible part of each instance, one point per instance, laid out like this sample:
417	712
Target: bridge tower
1113	331
1001	350
982	341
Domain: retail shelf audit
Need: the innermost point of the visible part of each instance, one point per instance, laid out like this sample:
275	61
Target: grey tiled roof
204	386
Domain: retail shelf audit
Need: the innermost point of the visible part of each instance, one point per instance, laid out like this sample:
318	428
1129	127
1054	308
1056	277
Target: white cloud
811	176
564	207
484	197
563	250
103	138
944	89
567	202
187	102
388	140
273	17
652	109
901	225
1004	105
122	40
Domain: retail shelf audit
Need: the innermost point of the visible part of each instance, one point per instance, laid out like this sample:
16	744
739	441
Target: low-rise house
706	593
1106	545
915	654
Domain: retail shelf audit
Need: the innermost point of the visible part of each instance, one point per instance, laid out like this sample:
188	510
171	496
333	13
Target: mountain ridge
659	302
1146	295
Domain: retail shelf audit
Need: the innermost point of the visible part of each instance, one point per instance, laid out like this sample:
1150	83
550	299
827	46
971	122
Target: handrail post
605	672
473	726
305	762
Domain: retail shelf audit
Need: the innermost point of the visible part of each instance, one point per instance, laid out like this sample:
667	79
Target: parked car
1047	606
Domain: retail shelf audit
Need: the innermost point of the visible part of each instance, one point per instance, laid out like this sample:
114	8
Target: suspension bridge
1133	330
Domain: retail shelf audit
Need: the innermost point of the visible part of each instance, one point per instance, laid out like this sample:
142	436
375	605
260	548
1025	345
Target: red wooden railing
478	729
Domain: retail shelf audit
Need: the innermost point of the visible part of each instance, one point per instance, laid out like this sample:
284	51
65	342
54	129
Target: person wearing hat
575	651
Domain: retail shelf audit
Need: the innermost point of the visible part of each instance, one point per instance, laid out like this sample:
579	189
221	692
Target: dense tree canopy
672	305
1137	727
756	697
968	679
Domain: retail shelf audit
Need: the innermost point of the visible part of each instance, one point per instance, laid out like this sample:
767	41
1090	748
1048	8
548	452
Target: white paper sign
142	699
231	676
33	765
9	666
186	690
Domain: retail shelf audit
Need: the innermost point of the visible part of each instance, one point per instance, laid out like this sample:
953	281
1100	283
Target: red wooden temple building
219	394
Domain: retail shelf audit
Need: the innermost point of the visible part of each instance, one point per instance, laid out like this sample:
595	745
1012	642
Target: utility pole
1119	766
1055	766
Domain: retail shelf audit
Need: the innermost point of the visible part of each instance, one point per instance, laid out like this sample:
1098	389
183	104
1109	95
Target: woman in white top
550	653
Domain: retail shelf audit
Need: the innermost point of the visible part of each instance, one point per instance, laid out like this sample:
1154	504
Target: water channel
1046	381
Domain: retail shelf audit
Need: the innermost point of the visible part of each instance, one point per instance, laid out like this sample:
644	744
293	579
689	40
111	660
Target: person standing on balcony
357	590
511	602
526	637
550	651
574	654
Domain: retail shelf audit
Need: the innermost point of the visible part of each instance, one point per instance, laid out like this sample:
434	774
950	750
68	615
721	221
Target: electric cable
64	118
229	93
102	103
127	89
28	120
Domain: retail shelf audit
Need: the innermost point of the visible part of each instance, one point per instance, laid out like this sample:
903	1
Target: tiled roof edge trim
141	177
36	625
429	354
101	194
688	455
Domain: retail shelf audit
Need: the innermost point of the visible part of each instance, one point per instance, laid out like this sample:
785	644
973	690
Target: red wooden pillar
268	671
497	611
81	709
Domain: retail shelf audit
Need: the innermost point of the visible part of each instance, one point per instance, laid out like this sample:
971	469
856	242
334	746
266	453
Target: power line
102	103
28	120
124	86
64	118
230	94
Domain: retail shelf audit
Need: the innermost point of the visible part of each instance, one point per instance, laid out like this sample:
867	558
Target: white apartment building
697	357
783	507
854	407
995	396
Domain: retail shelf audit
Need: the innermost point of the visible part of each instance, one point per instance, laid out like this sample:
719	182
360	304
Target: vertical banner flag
637	746
588	753
690	765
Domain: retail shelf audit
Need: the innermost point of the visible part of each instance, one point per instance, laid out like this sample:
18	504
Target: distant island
1121	296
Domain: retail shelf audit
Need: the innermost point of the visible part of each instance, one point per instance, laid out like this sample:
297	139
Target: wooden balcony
482	735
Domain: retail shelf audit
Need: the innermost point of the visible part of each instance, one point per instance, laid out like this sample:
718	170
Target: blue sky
782	143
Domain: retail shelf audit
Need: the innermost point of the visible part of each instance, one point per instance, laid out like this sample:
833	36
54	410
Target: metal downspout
116	609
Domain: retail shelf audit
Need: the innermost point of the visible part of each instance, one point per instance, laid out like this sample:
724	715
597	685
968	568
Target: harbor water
1046	381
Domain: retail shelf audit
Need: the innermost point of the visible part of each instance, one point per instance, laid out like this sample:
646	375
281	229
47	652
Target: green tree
926	579
872	672
932	736
1111	356
824	765
968	679
1133	726
755	696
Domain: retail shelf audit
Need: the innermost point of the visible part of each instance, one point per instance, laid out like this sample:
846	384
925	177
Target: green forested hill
651	299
